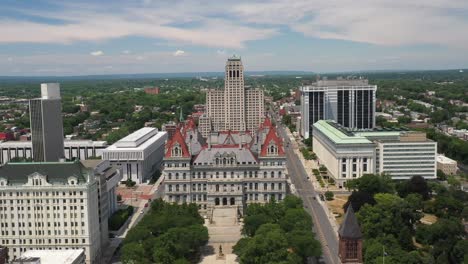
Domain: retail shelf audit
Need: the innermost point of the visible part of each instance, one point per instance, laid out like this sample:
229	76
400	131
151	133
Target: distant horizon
194	74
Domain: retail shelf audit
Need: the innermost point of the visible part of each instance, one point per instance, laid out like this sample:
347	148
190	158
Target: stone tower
350	238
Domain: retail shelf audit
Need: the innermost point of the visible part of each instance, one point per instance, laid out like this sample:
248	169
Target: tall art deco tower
234	108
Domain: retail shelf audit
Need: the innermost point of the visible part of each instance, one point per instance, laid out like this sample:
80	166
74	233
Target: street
322	227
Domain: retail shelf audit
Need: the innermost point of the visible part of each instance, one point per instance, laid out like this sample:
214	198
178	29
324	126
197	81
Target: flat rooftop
143	138
136	138
54	256
443	159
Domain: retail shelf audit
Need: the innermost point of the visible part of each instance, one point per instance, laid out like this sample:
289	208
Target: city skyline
49	38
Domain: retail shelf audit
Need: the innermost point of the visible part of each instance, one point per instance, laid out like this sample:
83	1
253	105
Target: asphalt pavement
322	227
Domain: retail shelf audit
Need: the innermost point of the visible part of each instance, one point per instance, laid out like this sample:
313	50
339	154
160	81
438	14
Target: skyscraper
234	108
46	124
349	102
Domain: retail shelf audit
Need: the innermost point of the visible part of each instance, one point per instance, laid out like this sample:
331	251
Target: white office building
350	154
70	256
55	206
139	154
349	102
73	149
234	107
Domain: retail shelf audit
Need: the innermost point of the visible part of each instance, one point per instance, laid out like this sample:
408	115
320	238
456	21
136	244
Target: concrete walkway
224	232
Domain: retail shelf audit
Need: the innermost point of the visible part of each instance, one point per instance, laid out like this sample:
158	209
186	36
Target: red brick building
152	90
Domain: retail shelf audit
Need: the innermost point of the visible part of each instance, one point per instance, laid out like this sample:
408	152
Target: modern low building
349	102
139	154
447	165
70	256
350	154
55	206
232	169
73	149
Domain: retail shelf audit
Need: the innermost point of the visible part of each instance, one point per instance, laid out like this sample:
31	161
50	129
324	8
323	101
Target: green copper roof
338	136
378	133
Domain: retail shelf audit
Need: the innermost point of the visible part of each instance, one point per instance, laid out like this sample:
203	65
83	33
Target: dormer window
272	150
176	151
72	180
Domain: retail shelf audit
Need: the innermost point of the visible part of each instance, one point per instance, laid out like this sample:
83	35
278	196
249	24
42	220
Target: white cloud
9	59
381	22
178	53
126	52
140	58
221	52
97	53
157	20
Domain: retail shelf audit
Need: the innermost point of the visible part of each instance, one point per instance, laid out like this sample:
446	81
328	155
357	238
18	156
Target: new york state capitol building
233	169
224	161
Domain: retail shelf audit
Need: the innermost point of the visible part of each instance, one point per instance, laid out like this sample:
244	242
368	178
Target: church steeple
350	236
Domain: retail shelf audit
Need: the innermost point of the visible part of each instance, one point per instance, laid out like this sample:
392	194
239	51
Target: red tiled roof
190	124
177	138
267	122
272	136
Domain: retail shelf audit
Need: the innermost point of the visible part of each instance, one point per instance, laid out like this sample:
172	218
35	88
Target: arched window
169	175
183	176
264	174
176	151
217	187
272	150
272	174
177	176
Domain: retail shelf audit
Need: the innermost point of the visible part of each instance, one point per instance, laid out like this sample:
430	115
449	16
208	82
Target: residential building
349	154
231	169
349	102
73	149
70	256
54	205
446	165
46	124
139	154
235	107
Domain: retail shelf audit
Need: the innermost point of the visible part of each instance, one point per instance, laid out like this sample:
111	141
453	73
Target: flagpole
383	254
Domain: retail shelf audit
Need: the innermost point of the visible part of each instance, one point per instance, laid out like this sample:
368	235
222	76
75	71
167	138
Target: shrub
329	195
129	183
119	218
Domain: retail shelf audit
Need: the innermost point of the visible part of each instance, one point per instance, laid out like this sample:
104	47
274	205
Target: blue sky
52	37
